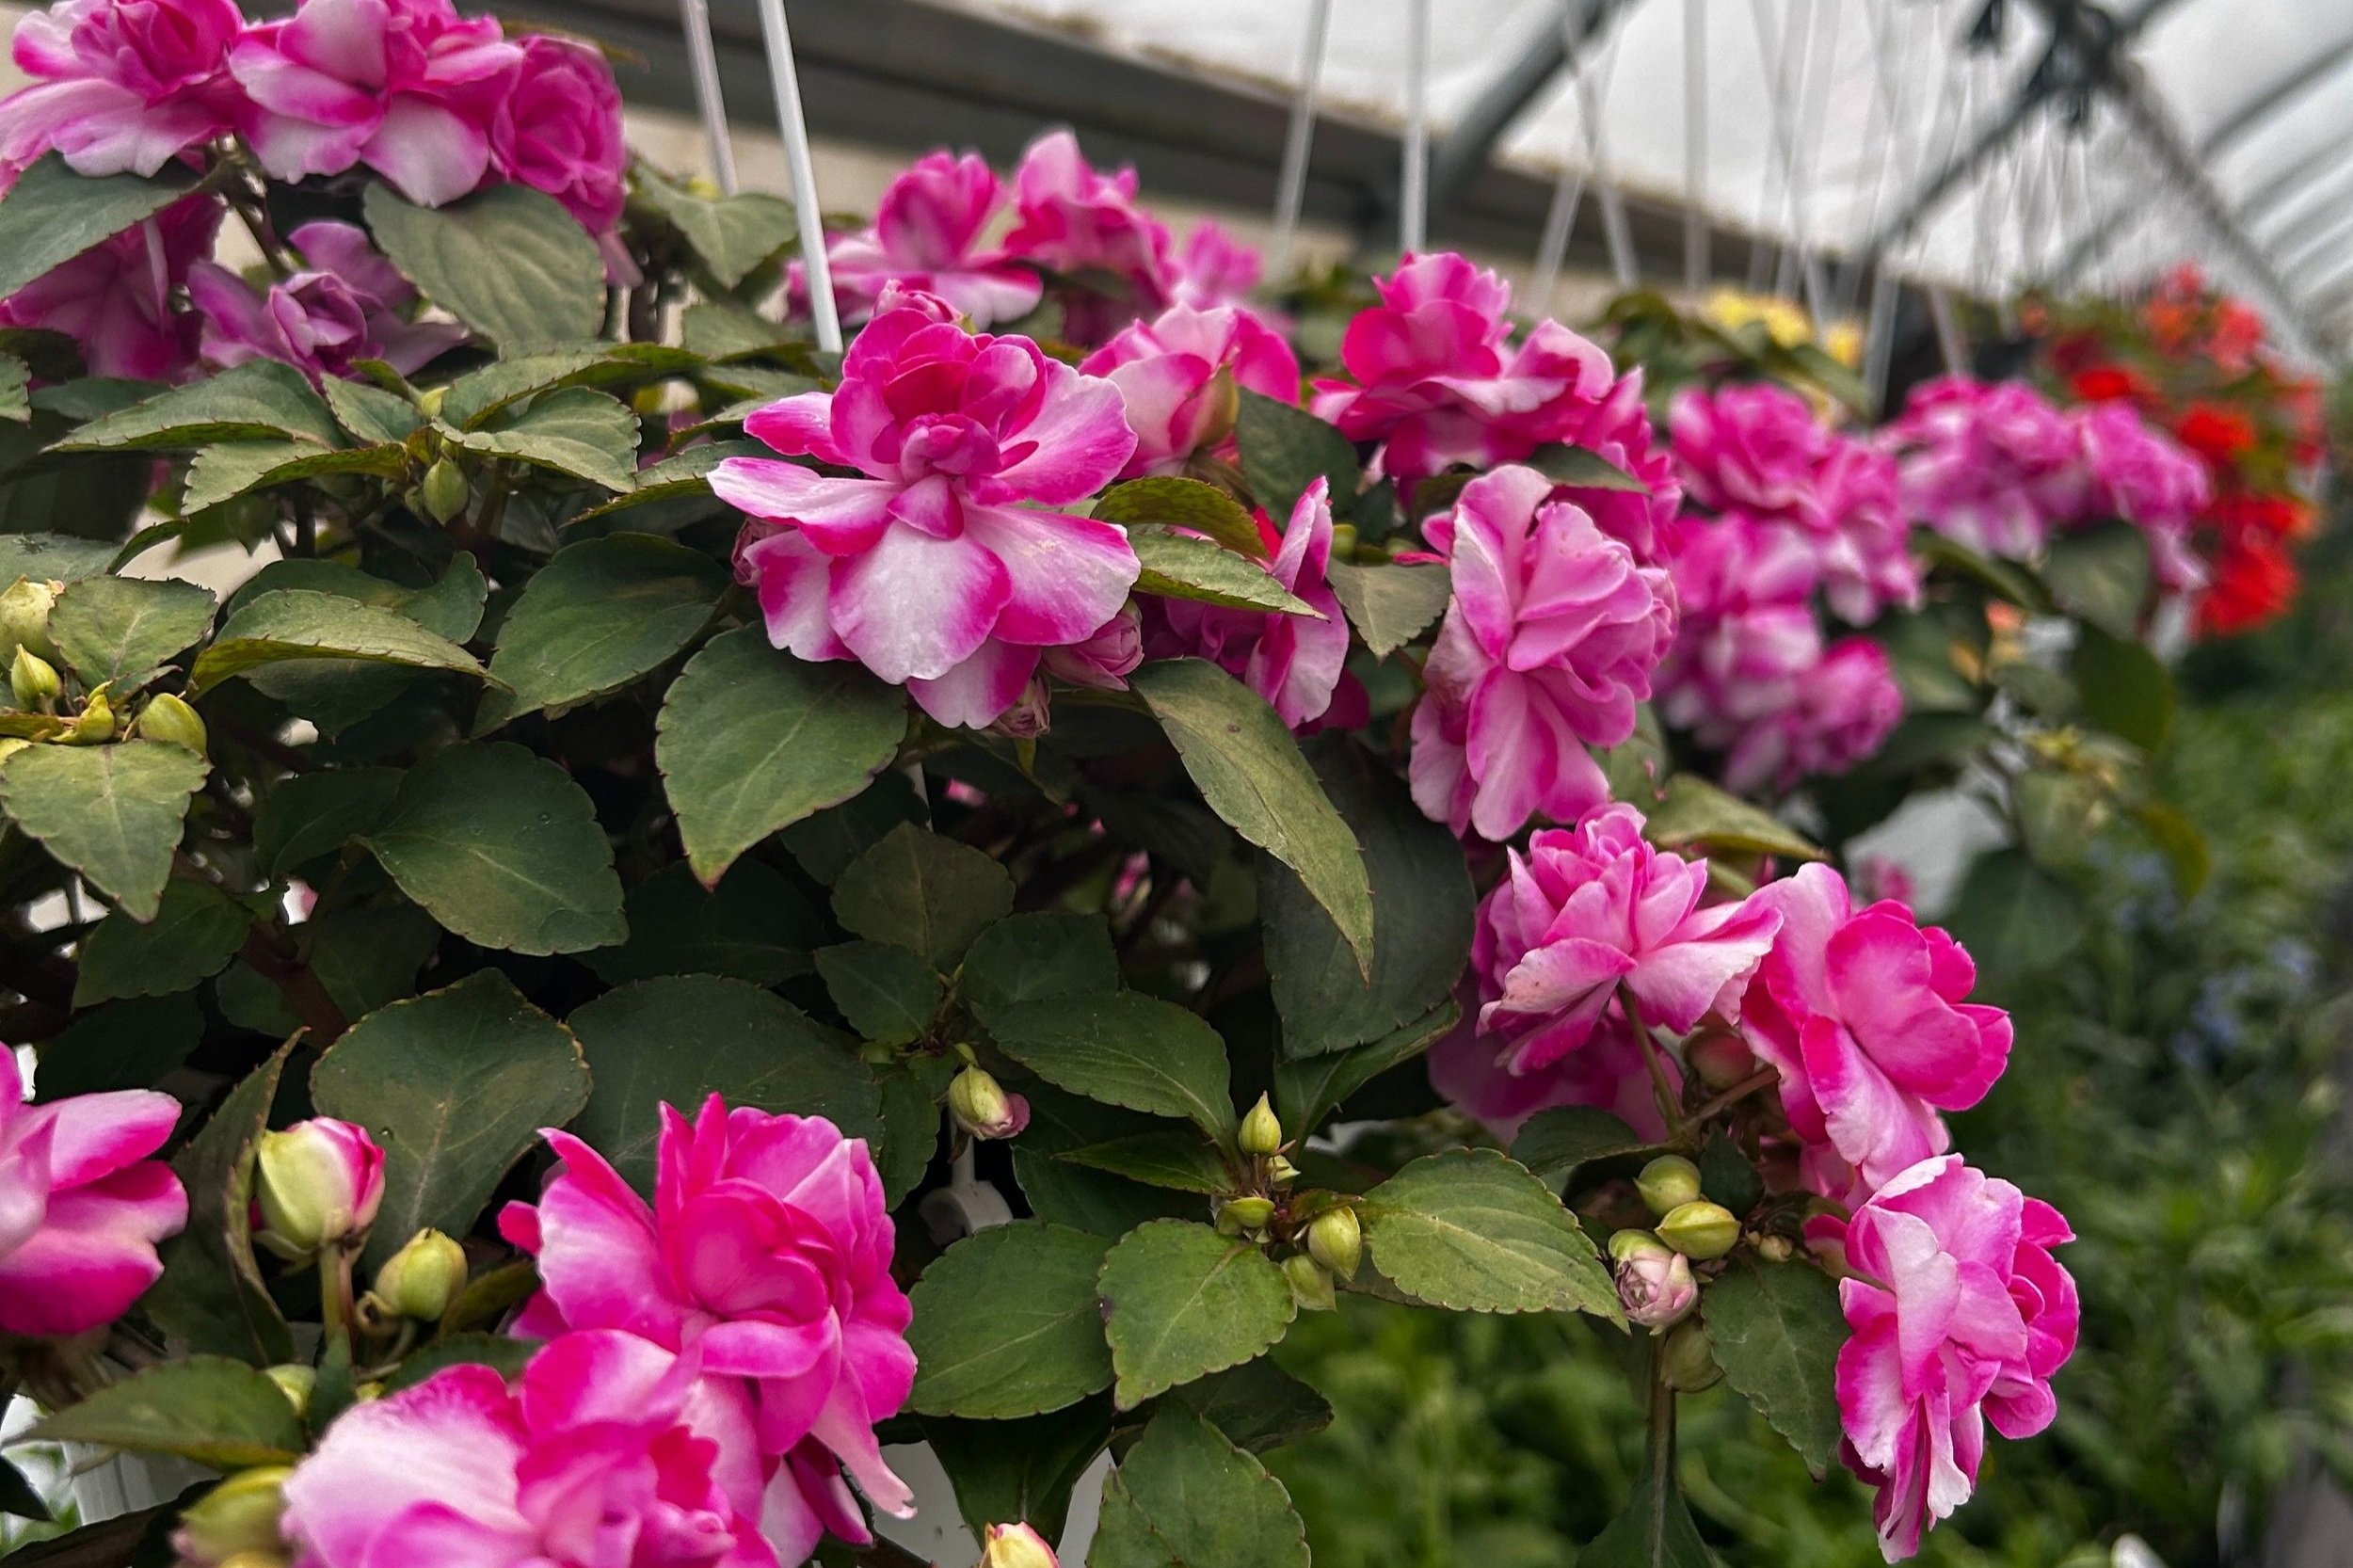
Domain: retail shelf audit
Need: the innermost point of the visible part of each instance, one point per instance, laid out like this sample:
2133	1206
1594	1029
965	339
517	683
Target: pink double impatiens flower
1862	1012
1436	381
1168	372
121	86
345	306
1548	644
935	572
766	1256
609	1452
1592	908
1960	1316
927	235
82	1208
1072	217
115	299
408	87
1294	661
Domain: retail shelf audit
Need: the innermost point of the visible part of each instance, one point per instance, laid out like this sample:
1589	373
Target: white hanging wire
1568	190
786	81
1799	268
1777	51
1413	205
1884	143
1291	190
702	61
1696	265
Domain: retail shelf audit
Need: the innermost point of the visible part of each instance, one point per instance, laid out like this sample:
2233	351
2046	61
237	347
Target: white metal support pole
810	217
1413	215
702	60
1695	235
1290	191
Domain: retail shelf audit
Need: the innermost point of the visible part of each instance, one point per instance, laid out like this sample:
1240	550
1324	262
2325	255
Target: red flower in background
2217	434
2103	383
2253	580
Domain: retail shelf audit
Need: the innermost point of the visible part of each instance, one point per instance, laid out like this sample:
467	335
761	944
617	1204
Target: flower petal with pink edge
452	1438
599	1259
798	426
1068	575
978	692
95	1135
431	154
840	517
915	607
94	1254
795	580
1082	439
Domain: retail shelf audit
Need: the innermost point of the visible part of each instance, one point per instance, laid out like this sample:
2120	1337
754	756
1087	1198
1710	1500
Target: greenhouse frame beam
2089	53
2252	113
1467	149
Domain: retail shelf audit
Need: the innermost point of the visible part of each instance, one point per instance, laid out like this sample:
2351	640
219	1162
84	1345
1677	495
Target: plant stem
1669	1106
1661	1449
1737	1093
272	955
335	1290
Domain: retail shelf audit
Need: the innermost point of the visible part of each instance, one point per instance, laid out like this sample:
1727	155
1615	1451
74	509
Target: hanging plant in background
560	968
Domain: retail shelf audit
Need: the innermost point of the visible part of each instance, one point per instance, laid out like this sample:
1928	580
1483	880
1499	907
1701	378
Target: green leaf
826	841
1249	769
1308	1089
211	1298
1006	1323
1654	1532
1174	1158
910	1137
731	234
2014	918
16	406
208	1408
1696	814
488	390
752	739
685	473
1168	502
1073	1195
1777	1329
755	926
2178	839
53	558
1283	449
451	607
1258	1405
680	1039
1390	606
504	848
1728	1176
2101	576
1422	906
1031	957
1125	1048
455	1085
127	1045
927	893
51	214
507	260
115	628
572	430
2005	580
1180	566
111	812
197	930
506	1355
887	993
303	623
373	416
1557	1142
315	814
1583	470
228	469
19	1496
2123	687
597	616
1185	1497
367	956
1181	1301
1472	1230
259	400
1004	1471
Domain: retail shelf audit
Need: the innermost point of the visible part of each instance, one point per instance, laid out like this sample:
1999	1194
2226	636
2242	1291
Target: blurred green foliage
2176	1088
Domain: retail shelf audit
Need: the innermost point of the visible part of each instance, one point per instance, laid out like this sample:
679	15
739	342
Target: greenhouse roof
1979	145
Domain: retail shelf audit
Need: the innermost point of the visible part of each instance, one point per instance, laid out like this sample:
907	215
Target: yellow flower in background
1785	320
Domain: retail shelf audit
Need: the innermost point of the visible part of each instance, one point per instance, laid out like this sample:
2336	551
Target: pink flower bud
1016	1546
1654	1283
315	1184
982	1108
